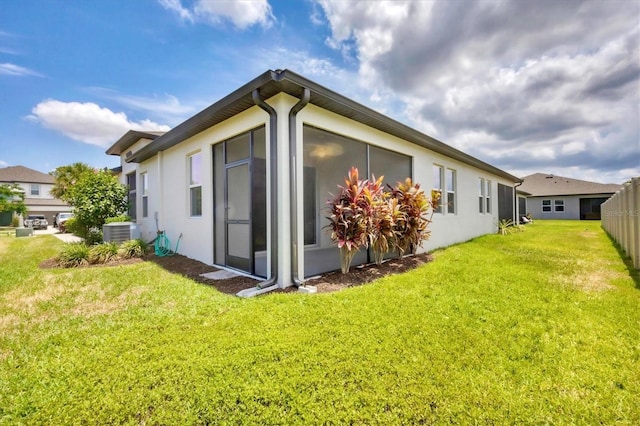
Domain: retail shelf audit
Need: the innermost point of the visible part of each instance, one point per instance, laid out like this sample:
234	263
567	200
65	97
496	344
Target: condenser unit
118	232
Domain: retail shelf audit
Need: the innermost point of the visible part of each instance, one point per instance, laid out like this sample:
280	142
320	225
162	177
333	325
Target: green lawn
537	327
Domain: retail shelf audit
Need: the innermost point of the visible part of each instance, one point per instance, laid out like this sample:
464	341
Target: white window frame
546	206
193	184
488	197
36	187
557	204
481	196
144	183
451	208
440	188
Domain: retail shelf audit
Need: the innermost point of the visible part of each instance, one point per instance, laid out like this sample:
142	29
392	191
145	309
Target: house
557	197
245	181
36	187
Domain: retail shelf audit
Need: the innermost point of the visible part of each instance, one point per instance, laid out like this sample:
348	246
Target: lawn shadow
628	263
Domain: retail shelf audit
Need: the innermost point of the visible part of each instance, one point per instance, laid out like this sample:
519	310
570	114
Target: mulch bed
329	282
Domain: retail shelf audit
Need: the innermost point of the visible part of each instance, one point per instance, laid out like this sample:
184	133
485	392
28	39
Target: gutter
516	220
293	184
273	186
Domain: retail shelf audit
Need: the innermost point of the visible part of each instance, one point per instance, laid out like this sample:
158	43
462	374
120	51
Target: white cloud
519	84
88	122
17	70
4	164
241	13
167	107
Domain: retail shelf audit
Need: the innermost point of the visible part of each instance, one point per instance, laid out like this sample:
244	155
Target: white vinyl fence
621	219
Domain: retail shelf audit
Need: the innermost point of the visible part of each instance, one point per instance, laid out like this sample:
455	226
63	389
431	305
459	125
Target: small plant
505	226
103	253
15	221
73	255
132	248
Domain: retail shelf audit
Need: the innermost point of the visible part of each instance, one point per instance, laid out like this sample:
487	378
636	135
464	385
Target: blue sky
541	86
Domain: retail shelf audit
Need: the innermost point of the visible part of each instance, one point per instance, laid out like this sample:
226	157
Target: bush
72	225
132	248
121	218
73	255
411	228
15	221
103	253
94	236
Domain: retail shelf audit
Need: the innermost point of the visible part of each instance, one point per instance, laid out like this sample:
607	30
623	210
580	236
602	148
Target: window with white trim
438	178
546	206
481	189
131	197
451	191
195	185
487	195
145	194
558	205
34	190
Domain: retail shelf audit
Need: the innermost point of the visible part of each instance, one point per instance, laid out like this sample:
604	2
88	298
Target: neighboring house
557	197
36	187
245	181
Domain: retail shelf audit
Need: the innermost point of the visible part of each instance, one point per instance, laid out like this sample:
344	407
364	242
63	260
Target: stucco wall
168	175
571	206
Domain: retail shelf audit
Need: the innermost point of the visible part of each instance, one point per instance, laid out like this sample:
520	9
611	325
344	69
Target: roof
54	202
129	138
18	174
542	184
272	83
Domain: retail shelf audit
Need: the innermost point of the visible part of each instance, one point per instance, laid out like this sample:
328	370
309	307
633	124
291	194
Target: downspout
515	205
293	183
273	185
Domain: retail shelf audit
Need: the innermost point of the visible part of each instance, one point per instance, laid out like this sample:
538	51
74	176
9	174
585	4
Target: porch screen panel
393	166
328	157
218	173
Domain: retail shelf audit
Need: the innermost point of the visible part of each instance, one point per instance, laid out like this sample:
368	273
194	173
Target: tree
12	199
66	177
95	197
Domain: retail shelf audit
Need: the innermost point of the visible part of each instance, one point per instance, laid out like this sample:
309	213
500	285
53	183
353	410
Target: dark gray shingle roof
19	174
542	184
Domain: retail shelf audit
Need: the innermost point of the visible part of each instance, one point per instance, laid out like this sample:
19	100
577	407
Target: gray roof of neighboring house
270	84
54	202
542	184
19	174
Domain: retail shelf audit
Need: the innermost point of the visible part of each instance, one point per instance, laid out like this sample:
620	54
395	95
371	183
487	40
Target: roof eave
272	82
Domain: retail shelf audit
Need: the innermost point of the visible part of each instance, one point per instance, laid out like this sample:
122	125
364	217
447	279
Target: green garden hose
162	245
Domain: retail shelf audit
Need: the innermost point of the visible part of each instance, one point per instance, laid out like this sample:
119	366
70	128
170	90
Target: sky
528	86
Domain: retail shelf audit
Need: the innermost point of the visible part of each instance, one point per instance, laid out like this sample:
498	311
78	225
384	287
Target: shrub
103	253
15	221
349	220
411	226
132	248
73	255
121	218
94	236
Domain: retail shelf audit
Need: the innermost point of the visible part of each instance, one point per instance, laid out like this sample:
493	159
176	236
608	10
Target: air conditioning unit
118	232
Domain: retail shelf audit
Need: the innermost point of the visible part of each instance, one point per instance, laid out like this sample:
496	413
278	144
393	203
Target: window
145	195
35	189
558	205
438	177
195	184
487	195
451	191
481	190
546	206
131	183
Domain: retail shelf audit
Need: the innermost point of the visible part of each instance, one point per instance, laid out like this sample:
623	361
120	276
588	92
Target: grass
536	327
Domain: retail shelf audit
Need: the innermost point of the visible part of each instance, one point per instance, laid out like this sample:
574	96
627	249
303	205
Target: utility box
24	232
118	232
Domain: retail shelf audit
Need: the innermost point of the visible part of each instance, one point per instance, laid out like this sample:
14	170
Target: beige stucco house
245	181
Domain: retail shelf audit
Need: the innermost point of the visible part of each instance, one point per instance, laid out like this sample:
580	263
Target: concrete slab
220	275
